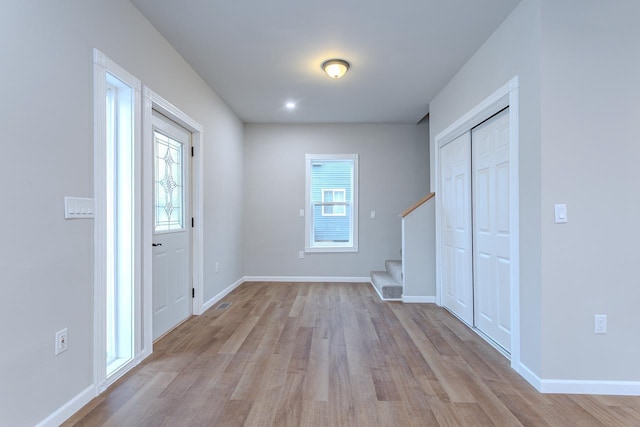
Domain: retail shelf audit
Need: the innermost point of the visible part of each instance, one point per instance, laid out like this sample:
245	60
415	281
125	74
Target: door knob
156	244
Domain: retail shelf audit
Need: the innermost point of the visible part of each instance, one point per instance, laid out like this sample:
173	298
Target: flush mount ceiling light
335	68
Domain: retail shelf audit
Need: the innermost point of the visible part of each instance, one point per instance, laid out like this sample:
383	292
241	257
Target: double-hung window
332	203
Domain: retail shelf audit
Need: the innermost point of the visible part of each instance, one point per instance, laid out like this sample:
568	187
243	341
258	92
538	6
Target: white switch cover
78	207
373	214
600	324
301	213
561	213
61	341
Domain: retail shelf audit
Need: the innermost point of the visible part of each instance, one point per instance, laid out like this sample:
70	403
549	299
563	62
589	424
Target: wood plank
145	397
235	341
316	380
471	414
601	412
333	354
301	351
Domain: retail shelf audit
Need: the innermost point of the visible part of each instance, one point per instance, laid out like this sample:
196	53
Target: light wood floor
326	354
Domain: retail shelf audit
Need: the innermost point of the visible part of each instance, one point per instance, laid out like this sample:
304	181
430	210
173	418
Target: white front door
491	225
457	278
172	225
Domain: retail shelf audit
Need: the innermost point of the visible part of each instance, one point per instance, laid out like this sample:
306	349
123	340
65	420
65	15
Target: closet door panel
491	235
455	169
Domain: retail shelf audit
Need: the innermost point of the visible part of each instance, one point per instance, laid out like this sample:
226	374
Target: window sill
331	249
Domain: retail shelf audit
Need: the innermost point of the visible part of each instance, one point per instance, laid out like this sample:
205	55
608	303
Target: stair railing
418	204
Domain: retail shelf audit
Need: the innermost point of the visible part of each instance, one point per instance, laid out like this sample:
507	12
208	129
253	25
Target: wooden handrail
418	204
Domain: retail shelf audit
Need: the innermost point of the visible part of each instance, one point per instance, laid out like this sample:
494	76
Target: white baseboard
614	388
375	289
530	376
618	388
68	409
415	299
207	305
307	279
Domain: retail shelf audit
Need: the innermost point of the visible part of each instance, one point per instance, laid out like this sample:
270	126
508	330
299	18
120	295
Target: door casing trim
153	101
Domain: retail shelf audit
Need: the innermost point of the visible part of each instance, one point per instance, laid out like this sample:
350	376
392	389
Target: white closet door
491	235
456	227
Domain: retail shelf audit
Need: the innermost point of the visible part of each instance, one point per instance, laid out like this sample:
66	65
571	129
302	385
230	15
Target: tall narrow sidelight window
117	224
120	227
332	203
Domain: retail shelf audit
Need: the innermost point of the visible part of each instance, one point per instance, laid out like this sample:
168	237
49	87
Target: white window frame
111	80
310	244
333	204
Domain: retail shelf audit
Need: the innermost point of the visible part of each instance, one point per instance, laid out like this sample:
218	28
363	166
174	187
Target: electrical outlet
600	324
62	341
301	254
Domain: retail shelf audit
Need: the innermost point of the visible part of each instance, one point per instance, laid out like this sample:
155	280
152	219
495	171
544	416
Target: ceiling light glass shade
335	68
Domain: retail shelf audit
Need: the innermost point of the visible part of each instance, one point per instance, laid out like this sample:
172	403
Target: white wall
223	198
419	254
47	153
393	163
513	50
578	65
590	158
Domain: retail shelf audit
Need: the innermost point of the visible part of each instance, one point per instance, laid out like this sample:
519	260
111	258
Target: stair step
394	267
388	287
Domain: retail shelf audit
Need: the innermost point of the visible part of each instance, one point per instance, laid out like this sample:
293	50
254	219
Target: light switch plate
560	213
600	324
79	207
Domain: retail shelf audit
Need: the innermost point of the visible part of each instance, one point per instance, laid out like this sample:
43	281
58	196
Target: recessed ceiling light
335	68
290	105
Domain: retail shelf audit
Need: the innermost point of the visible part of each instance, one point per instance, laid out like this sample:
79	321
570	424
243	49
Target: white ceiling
259	54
